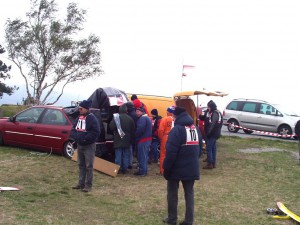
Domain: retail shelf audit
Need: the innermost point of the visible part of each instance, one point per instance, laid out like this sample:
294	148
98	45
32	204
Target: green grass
10	110
238	191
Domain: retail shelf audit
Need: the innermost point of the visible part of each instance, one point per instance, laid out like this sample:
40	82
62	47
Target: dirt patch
261	150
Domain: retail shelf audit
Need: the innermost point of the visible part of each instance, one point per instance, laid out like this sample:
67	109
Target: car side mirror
12	119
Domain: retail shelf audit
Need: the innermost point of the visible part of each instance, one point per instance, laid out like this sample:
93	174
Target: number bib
191	135
81	126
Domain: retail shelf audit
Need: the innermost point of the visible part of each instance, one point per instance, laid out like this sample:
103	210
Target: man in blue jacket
85	132
143	135
182	164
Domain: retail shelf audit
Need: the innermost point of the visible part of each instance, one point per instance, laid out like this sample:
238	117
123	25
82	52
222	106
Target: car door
268	118
20	130
248	115
52	131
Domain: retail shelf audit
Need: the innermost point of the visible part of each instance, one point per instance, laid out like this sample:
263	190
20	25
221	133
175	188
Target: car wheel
248	131
231	126
68	149
284	130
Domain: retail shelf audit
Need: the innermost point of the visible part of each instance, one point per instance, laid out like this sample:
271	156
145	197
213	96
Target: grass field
238	191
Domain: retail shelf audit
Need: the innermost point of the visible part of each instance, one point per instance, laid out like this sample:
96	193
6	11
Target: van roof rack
250	99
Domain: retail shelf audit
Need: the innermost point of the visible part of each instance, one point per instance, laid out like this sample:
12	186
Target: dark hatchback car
45	128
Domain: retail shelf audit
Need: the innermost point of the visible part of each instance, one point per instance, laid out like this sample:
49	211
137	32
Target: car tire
285	129
231	126
248	131
68	149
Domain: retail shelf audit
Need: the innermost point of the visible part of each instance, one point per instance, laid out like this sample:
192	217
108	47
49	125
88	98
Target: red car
45	128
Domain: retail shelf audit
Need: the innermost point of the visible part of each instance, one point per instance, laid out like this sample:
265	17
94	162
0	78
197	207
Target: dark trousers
172	198
86	156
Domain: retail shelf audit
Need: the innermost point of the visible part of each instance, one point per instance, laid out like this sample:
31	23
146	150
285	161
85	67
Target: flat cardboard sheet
102	165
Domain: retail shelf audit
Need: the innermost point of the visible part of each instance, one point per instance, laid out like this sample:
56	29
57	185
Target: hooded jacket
143	131
183	150
213	121
128	127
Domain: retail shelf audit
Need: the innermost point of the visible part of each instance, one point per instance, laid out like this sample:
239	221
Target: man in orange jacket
164	128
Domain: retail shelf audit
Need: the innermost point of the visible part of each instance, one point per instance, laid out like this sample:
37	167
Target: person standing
85	132
123	127
297	132
154	153
164	128
132	114
138	104
143	135
212	126
182	164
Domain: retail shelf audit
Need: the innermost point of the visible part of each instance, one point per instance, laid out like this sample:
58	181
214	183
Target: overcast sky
249	49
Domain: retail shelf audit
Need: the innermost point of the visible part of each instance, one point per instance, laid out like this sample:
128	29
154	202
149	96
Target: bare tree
47	52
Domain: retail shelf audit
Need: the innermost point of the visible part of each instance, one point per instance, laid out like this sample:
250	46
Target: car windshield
287	110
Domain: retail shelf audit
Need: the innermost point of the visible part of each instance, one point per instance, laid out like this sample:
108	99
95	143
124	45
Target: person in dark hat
154	153
212	126
182	164
143	135
85	132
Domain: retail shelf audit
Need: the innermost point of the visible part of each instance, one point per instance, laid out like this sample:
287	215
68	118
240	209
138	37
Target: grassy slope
238	191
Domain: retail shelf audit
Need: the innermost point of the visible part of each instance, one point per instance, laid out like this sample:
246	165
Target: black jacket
297	129
182	156
213	122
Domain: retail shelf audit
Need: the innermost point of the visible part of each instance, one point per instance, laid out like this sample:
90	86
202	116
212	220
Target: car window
30	115
249	107
267	109
232	105
54	117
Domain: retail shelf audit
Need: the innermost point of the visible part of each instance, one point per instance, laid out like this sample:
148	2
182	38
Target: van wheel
284	130
68	149
232	126
248	131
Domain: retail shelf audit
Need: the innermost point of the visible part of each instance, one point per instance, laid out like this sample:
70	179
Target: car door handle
65	132
29	128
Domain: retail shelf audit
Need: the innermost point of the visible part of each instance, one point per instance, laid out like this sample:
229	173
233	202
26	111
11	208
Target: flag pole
181	75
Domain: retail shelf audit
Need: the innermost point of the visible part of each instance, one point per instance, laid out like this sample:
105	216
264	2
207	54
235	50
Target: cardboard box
102	165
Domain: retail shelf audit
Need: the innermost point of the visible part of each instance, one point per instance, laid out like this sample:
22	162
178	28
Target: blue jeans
142	156
86	156
122	158
211	150
172	198
154	153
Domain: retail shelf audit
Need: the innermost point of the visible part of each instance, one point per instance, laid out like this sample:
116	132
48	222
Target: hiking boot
139	174
214	165
78	186
184	223
208	166
167	221
86	189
